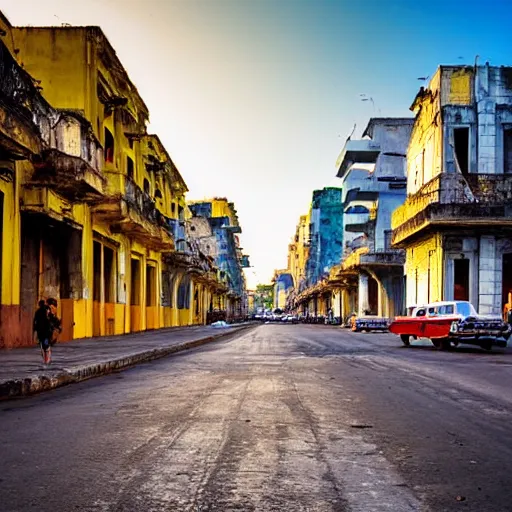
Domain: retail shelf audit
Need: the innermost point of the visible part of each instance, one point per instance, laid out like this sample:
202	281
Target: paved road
281	418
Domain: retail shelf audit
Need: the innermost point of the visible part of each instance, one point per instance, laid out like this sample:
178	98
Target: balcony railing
453	197
145	205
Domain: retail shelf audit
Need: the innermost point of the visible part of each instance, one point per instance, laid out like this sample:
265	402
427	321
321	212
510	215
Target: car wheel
405	339
446	345
436	343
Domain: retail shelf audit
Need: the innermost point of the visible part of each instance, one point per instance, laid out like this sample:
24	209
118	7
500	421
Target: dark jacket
42	325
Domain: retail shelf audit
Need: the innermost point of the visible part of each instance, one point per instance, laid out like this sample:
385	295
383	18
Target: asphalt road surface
279	418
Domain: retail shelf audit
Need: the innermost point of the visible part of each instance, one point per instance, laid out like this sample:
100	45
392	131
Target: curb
32	385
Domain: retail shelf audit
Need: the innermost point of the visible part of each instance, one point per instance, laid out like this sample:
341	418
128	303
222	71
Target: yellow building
298	251
455	225
93	203
283	287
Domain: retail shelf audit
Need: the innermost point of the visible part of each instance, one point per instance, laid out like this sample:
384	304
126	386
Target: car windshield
465	309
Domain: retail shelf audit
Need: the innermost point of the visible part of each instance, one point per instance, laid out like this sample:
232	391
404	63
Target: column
363	303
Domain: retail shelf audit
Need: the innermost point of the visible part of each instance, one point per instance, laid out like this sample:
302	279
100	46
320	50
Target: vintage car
449	323
369	323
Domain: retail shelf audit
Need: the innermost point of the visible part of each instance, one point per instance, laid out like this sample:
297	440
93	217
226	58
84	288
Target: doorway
135	288
373	296
96	289
506	279
461	146
461	279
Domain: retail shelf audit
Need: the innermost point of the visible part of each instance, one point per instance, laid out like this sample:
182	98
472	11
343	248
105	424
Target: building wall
71	251
424	271
326	233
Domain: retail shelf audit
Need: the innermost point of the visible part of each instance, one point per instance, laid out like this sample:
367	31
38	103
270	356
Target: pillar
363	303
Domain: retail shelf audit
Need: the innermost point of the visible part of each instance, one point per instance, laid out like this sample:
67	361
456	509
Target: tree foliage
264	296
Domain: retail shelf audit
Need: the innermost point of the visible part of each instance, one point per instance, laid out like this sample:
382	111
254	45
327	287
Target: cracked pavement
278	418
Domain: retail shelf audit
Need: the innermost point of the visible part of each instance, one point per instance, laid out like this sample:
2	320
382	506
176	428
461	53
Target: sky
254	99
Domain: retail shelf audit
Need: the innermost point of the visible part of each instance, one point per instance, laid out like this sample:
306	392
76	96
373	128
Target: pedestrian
42	330
55	322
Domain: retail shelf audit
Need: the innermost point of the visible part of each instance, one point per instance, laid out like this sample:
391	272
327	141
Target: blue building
326	234
225	249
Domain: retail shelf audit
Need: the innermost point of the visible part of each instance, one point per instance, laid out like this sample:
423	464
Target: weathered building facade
324	243
91	205
456	224
283	287
373	176
222	243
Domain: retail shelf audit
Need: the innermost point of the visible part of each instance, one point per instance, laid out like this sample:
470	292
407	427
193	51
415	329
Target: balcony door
461	282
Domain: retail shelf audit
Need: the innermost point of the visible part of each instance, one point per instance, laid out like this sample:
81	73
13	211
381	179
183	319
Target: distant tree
264	296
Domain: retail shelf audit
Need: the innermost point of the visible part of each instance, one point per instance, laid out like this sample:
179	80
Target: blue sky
254	99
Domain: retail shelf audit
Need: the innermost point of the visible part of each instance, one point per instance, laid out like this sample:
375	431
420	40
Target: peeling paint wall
463	120
104	220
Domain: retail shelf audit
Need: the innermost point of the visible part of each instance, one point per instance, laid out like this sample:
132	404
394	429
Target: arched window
158	193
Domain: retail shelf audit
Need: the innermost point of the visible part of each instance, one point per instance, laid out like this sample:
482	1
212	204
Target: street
278	418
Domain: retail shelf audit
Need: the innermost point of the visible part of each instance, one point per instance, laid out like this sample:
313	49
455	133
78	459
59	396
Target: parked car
370	323
449	323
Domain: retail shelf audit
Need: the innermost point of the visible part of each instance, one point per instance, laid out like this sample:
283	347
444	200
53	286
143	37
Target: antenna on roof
352	132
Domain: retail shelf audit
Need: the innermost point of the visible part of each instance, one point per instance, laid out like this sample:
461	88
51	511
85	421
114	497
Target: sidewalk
23	373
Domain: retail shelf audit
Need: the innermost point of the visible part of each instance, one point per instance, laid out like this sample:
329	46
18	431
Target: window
158	193
146	186
129	168
461	148
421	312
358	209
173	208
446	310
109	146
507	150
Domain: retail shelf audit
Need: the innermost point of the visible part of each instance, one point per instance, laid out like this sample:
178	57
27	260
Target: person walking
42	330
55	322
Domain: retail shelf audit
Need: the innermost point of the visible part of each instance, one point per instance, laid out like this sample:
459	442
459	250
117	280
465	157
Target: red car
449	323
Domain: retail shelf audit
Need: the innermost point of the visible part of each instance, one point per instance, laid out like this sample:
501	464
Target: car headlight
454	327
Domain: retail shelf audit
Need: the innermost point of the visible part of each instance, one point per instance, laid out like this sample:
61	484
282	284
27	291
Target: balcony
71	166
134	214
364	151
23	111
363	257
390	257
453	200
357	222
